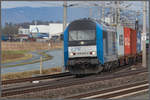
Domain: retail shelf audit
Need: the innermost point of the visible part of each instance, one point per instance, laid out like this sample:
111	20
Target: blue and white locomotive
89	47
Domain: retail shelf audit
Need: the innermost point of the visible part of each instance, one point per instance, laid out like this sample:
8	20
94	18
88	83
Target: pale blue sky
135	5
12	4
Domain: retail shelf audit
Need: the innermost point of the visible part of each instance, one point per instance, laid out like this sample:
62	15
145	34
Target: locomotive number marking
75	49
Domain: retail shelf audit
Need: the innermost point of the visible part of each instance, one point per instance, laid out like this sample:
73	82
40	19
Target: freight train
92	46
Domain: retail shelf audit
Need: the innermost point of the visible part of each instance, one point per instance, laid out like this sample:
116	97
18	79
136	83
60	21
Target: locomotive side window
77	35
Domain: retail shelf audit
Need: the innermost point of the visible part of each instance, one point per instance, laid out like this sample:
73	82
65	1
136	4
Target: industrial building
23	31
53	29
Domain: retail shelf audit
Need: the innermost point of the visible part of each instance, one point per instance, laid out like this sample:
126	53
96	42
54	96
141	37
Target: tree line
11	29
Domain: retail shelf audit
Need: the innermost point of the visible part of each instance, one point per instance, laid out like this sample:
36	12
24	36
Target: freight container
130	41
133	41
109	45
127	46
138	46
120	41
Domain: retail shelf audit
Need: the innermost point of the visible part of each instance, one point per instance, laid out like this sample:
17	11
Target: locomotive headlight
71	53
82	42
93	53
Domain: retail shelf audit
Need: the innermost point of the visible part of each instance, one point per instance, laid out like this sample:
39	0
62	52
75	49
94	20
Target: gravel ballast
83	88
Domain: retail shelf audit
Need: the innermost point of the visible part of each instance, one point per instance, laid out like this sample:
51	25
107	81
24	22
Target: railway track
64	83
36	78
115	92
43	77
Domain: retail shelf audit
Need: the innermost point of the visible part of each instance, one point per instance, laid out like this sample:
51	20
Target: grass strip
13	56
18	75
45	58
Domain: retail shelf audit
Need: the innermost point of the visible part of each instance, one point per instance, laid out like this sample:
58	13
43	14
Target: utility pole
118	12
103	12
112	16
64	26
41	65
65	15
0	55
90	12
144	35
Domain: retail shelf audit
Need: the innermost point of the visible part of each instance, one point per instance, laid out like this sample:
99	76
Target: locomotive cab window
77	35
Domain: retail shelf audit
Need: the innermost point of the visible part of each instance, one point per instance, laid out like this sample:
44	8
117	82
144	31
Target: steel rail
65	83
41	77
115	92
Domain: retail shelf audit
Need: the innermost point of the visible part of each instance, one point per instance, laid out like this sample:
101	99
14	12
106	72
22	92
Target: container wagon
120	45
130	45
